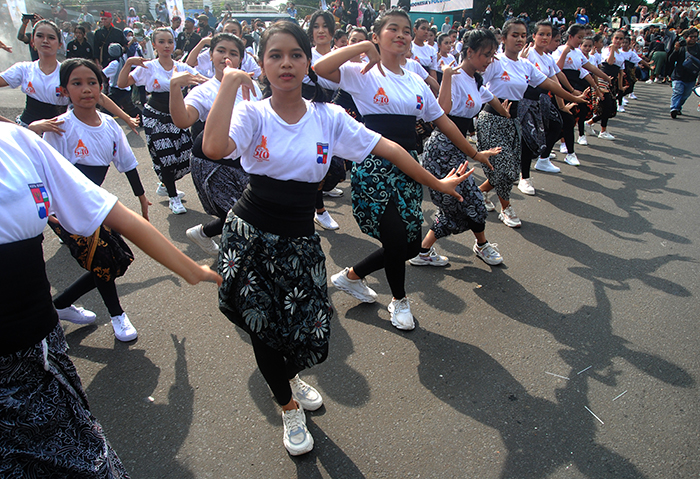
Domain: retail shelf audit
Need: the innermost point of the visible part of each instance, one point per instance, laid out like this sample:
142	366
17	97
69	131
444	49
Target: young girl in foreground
170	146
219	184
48	430
271	258
92	141
387	203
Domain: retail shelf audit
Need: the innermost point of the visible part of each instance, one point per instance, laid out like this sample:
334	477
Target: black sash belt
38	110
398	128
160	101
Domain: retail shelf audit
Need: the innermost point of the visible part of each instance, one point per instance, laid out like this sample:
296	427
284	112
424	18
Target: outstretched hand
374	59
450	182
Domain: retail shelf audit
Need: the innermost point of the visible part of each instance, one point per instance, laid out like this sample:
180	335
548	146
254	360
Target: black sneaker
674	113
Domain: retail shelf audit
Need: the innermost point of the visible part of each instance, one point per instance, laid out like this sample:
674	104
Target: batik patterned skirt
374	183
275	288
218	186
441	156
492	131
169	146
46	428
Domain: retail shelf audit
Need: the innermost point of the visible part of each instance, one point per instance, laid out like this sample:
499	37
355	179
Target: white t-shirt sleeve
353	141
486	95
351	76
536	76
140	75
14	75
431	109
124	158
245	122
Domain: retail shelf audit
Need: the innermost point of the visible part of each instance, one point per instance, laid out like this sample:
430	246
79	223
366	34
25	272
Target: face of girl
574	41
45	40
586	47
356	37
395	36
516	38
164	44
543	37
421	32
481	58
322	34
617	40
554	43
225	50
625	44
83	88
431	37
341	42
233	29
284	62
446	46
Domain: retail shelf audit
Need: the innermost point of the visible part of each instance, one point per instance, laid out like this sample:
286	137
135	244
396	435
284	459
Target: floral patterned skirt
453	216
46	428
275	288
375	182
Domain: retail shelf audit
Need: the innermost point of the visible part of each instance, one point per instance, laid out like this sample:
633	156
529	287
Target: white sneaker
76	314
325	221
572	160
544	164
632	96
552	156
625	101
472	139
649	81
401	317
297	438
525	185
590	128
307	396
509	218
357	287
562	148
582	140
334	193
197	236
621	108
487	202
163	191
123	329
488	253
605	135
431	258
176	206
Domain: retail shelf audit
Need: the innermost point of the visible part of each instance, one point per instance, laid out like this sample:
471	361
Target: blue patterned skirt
275	288
374	183
46	428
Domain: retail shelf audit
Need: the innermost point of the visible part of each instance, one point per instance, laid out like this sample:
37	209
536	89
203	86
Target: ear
64	92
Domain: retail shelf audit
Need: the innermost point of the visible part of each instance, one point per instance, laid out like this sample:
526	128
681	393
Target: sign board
438	6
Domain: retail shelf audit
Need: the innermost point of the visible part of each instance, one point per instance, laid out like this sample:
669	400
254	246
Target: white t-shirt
109	72
413	66
327	84
34	83
36	181
596	59
205	67
509	79
631	56
155	77
271	147
449	61
93	145
575	59
544	63
457	49
425	55
202	97
619	56
393	94
467	99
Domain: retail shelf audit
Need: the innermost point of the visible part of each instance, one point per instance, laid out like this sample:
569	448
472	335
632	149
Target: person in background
210	16
25	37
187	39
85	16
176	25
80	47
203	27
581	16
446	26
291	10
684	64
488	17
131	18
104	36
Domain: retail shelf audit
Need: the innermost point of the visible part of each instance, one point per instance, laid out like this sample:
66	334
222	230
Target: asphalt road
595	311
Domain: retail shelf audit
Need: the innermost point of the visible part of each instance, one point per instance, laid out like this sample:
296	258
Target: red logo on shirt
41	198
81	150
261	151
538	66
419	102
505	76
322	153
30	88
156	85
569	61
470	102
380	97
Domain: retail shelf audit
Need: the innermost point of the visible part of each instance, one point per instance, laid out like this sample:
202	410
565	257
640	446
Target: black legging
275	369
567	130
86	283
215	226
608	110
392	256
584	109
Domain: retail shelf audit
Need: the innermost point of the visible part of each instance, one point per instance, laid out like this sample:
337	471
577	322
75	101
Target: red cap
105	14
